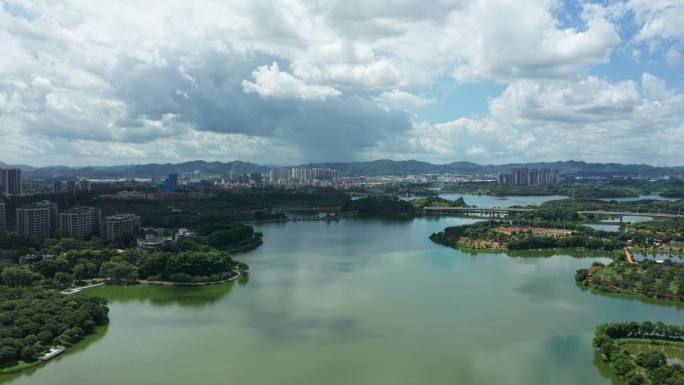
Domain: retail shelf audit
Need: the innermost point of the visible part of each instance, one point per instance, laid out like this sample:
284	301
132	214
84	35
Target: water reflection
192	297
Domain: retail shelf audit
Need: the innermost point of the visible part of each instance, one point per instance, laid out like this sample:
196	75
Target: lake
357	302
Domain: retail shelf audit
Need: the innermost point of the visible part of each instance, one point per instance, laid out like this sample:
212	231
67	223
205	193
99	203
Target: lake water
357	302
641	198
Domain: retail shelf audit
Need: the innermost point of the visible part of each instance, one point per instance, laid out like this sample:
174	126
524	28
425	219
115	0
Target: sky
95	82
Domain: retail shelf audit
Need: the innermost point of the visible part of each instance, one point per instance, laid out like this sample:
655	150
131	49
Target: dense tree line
435	201
32	320
579	240
380	205
648	367
188	259
229	236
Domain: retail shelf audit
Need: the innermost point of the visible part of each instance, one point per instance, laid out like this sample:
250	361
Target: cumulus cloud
590	119
317	80
269	81
661	19
525	41
401	99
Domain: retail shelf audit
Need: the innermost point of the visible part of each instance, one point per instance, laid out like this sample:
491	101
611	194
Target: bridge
503	211
489	211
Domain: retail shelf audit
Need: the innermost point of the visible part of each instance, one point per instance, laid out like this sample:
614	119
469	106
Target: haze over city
289	82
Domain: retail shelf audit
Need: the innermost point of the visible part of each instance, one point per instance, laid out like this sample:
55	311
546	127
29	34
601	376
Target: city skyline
300	82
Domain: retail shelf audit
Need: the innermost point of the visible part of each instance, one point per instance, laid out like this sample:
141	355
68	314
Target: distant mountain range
376	167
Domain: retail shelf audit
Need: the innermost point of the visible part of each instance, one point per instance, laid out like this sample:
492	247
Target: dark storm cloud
208	95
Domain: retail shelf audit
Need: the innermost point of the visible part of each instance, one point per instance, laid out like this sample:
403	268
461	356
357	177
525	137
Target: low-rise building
33	258
155	238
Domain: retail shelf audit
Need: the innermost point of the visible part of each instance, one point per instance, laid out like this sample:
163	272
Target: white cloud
661	19
525	41
269	81
401	99
589	119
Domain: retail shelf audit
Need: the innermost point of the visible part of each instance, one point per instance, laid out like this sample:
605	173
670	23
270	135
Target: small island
642	352
511	235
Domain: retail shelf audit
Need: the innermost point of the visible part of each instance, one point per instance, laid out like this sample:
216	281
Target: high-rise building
279	176
119	226
57	187
79	222
170	184
3	216
84	185
72	186
529	177
10	181
38	221
299	175
255	179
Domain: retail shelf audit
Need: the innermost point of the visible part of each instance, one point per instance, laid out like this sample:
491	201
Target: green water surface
357	302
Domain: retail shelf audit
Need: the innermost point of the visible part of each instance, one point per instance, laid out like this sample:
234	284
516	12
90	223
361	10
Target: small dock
54	352
74	290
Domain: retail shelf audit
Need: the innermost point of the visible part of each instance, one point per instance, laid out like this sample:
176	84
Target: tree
119	272
8	355
15	276
31	352
634	379
45	337
71	336
651	360
622	366
63	280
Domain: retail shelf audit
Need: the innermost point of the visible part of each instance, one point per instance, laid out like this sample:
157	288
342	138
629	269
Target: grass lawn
19	366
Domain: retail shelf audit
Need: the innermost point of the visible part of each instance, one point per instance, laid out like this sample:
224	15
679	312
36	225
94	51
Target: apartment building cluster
74	186
529	177
243	179
42	220
300	175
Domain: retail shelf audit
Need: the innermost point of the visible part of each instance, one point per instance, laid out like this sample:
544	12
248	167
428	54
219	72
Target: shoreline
189	284
102	282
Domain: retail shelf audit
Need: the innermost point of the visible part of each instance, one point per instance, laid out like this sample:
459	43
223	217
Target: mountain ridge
367	168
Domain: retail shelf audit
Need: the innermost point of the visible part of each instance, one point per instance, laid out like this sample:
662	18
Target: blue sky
290	81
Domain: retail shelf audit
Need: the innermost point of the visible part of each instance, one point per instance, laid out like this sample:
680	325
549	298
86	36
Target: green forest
32	320
648	368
